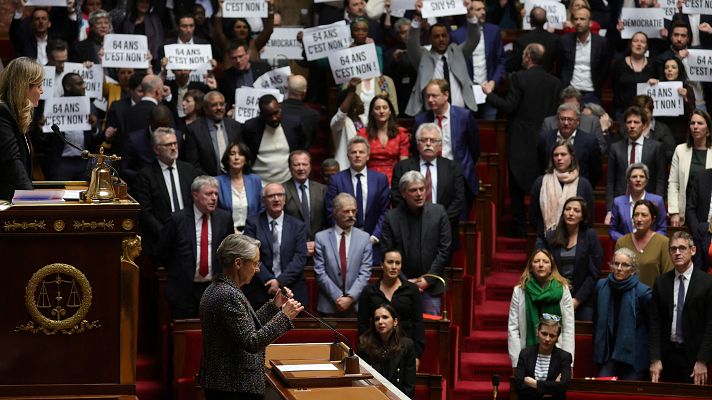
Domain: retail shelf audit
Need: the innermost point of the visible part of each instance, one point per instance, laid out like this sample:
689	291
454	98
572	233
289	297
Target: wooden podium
70	300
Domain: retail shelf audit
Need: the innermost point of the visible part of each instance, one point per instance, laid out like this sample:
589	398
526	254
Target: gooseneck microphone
55	129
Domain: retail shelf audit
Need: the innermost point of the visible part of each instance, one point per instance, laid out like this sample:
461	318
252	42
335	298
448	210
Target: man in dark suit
115	131
588	153
138	149
446	186
681	318
647	151
242	73
421	232
208	137
586	72
588	123
297	116
526	117
153	94
655	130
41	26
283	253
162	188
697	215
370	188
186	35
550	41
305	197
189	247
459	131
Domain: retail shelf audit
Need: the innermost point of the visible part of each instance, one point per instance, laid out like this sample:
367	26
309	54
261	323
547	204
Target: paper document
307	367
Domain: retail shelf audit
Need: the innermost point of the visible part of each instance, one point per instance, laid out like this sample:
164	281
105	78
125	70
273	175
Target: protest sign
247	99
93	77
275	79
320	40
125	51
697	7
670	7
442	8
646	20
699	65
480	96
360	61
69	113
48	82
402	5
188	56
668	102
45	3
555	13
244	8
283	44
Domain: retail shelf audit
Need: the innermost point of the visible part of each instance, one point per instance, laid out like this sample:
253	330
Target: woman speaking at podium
234	335
20	90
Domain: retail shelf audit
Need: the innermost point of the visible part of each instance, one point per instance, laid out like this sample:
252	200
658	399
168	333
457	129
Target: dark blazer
22	35
377	201
450	191
199	145
495	59
662	133
152	193
399	369
173	104
178	249
86	50
317	207
253	192
653	157
696	210
587	123
254	129
583	189
560	364
15	159
599	60
115	118
138	153
549	40
433	255
228	80
298	117
588	154
465	136
621	221
696	317
138	116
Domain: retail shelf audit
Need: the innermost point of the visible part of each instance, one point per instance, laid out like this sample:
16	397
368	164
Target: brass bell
100	189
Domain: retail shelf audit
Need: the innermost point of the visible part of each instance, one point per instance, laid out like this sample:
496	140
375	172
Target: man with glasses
681	318
283	253
444	183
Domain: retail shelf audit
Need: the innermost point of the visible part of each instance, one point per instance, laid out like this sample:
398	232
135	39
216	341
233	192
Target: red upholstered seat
583	366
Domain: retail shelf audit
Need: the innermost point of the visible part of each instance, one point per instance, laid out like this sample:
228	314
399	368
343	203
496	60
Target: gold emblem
58	297
93	225
127	224
24	225
58	225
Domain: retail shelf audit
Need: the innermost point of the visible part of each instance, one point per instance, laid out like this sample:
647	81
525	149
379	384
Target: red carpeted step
147	368
149	390
499	285
492	315
485	342
479	390
481	366
511	245
502	261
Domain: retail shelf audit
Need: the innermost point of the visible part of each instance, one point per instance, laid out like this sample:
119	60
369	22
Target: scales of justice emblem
58	298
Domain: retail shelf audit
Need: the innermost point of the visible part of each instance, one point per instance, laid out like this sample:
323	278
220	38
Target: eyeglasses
428	140
681	249
274	195
614	265
171	144
550	317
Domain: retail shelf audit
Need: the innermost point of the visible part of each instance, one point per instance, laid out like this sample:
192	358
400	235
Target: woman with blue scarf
620	337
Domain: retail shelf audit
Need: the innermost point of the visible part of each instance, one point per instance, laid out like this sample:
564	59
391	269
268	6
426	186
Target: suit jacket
139	115
495	58
115	118
15	158
621	221
696	317
426	60
254	129
377	201
465	137
549	40
235	338
298	117
662	133
138	153
292	257
433	254
327	268
199	148
588	154
86	50
178	248
599	60
678	183
317	207
450	192
23	38
587	123
253	192
560	363
173	104
697	210
653	157
228	80
152	193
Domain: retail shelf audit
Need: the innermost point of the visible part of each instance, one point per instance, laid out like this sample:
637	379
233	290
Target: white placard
247	102
670	7
197	75
307	367
320	40
647	20
402	5
283	44
480	96
668	102
697	7
244	9
93	77
188	56
275	79
69	113
48	82
125	51
442	8
46	3
699	65
354	62
555	13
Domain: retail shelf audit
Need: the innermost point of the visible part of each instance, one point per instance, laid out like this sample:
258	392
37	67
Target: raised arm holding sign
666	96
125	51
360	62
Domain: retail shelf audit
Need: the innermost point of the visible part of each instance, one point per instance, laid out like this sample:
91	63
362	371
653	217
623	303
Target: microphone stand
495	386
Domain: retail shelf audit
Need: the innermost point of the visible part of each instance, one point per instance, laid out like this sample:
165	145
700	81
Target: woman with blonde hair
20	90
541	291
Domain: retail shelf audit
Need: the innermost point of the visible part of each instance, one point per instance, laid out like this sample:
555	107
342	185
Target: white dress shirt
445	134
455	88
167	180
638	149
582	79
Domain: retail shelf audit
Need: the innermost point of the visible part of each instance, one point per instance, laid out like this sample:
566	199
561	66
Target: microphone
55	129
495	386
351	361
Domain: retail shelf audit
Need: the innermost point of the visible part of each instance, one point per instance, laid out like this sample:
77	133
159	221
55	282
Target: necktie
305	205
276	267
174	192
446	74
342	258
221	143
428	184
204	269
359	201
678	309
632	153
440	121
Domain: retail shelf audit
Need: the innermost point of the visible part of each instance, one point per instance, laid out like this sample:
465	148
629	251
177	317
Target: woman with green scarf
541	290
